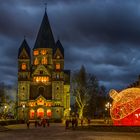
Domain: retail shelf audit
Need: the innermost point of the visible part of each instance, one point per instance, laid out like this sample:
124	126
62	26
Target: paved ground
58	132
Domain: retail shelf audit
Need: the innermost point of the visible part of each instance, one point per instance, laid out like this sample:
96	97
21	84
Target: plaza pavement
2	128
58	132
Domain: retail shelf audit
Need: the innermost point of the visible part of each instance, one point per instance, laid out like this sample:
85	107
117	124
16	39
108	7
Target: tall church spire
25	46
45	37
45	6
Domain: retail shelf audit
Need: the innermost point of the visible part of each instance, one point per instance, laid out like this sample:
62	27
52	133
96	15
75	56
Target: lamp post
23	109
69	111
5	108
107	108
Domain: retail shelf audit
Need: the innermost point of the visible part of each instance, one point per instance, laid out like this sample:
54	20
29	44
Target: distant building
43	84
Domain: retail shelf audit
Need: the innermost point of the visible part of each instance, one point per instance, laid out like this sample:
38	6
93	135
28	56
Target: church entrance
40	113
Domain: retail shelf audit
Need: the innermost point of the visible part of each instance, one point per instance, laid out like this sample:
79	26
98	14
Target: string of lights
125	109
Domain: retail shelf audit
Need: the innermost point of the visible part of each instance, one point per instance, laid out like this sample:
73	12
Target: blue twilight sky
104	35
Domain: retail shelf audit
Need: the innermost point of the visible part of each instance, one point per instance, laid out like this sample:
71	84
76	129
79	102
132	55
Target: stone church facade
43	84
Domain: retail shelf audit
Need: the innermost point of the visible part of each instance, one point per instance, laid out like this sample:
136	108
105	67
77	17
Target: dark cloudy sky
104	35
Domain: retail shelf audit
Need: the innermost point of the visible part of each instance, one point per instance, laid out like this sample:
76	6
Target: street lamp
23	108
69	111
5	108
107	108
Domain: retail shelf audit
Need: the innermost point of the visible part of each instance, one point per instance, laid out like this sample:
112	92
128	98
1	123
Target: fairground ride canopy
125	109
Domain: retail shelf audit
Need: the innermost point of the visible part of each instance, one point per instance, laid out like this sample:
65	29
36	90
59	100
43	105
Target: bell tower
24	62
43	83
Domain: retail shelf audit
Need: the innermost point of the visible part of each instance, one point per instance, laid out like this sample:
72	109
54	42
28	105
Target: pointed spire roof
25	46
59	45
45	37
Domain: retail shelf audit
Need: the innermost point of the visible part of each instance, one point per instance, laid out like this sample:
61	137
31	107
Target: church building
43	84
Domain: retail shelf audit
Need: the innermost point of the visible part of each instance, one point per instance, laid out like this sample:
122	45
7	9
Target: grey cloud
101	22
103	35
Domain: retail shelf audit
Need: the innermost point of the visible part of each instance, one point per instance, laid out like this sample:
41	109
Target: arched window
32	113
40	113
36	52
23	66
49	113
58	66
44	60
36	61
42	79
43	52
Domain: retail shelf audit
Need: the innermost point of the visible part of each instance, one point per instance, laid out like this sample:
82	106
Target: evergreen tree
93	94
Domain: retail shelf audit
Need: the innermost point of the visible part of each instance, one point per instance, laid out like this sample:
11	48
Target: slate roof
25	45
45	37
59	45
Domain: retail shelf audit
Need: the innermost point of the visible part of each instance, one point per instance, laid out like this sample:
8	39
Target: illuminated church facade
43	84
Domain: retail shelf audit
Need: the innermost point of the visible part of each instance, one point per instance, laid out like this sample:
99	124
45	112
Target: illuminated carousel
125	109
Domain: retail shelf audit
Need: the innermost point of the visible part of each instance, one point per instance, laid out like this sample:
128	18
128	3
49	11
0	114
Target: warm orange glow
31	104
40	113
49	113
49	104
58	66
32	113
23	67
36	52
125	108
36	61
43	79
44	60
40	101
43	52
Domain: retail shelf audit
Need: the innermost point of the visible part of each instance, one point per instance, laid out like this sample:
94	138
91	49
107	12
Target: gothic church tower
43	85
24	63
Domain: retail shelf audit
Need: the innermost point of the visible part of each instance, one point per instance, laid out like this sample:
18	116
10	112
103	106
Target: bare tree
82	87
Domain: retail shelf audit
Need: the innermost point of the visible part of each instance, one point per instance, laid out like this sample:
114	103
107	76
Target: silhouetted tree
93	98
84	87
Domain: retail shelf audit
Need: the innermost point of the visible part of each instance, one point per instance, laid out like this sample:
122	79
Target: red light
125	108
131	120
49	113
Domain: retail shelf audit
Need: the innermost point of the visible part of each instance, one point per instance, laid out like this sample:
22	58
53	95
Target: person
73	123
88	121
35	123
48	123
67	124
44	122
28	124
76	122
40	123
81	122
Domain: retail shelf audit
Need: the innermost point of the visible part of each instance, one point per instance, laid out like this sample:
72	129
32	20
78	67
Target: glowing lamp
125	109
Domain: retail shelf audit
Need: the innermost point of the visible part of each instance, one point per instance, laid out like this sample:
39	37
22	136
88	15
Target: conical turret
45	37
